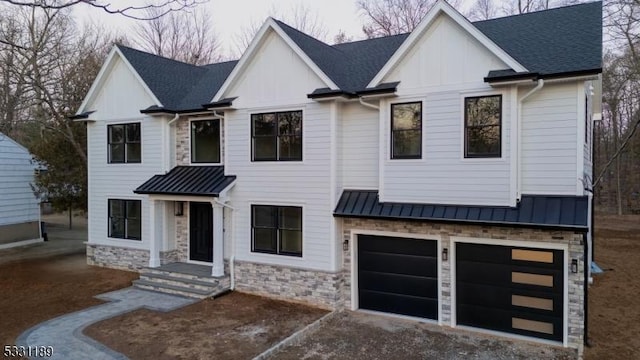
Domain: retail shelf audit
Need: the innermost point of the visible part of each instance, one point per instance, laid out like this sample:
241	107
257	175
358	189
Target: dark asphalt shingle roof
553	212
551	42
178	86
188	180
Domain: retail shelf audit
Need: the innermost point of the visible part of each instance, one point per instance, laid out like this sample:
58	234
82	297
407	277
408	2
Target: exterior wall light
178	208
345	245
445	254
574	266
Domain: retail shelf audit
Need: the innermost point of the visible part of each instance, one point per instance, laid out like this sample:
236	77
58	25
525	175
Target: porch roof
537	211
188	180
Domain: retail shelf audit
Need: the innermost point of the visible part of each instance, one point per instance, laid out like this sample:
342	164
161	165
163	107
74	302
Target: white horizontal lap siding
18	203
358	131
443	68
119	101
549	130
304	184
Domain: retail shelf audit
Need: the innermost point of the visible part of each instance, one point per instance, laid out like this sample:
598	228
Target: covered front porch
186	216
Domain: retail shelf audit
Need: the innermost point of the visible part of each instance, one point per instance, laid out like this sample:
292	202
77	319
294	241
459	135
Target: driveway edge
295	337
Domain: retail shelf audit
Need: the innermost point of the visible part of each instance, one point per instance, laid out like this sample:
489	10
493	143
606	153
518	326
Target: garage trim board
355	301
511	243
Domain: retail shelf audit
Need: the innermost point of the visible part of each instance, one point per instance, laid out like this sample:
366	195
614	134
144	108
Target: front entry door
201	232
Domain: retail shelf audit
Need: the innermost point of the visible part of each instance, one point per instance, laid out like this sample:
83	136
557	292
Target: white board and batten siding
443	67
120	99
18	203
278	80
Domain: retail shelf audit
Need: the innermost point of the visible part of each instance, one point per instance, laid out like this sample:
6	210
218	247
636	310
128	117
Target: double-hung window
483	126
205	141
406	130
277	229
124	143
125	219
276	136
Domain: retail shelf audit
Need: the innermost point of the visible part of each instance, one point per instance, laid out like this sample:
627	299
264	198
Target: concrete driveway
356	335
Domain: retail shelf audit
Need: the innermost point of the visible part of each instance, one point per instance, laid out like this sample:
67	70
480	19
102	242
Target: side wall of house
19	207
119	101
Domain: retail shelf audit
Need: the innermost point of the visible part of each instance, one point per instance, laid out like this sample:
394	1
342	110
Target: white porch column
218	240
154	243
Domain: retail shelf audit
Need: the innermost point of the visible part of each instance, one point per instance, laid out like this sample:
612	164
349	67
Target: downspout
364	103
519	125
586	290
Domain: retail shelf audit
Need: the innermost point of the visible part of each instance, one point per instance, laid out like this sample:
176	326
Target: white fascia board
102	74
269	24
442	7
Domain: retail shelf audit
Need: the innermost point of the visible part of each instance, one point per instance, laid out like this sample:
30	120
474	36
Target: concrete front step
182	275
170	279
170	289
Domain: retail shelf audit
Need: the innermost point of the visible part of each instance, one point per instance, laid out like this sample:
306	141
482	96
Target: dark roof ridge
306	35
218	63
370	39
158	56
538	12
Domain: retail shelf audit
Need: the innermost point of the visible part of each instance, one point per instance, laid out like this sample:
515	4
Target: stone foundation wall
117	257
318	288
182	234
445	232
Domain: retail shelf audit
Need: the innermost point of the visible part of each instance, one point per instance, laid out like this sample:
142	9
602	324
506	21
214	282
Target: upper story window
124	143
277	136
205	141
125	219
483	126
277	229
406	130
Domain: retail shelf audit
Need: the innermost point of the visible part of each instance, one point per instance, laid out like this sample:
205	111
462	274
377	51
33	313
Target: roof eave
558	227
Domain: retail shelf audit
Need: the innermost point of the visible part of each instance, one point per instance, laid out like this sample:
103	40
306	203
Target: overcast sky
230	16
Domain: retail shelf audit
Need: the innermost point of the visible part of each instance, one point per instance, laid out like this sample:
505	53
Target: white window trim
519	243
353	248
221	162
503	131
277	257
266	110
388	129
124	122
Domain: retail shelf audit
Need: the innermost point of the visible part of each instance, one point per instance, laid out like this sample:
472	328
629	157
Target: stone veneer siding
123	258
574	241
313	287
182	234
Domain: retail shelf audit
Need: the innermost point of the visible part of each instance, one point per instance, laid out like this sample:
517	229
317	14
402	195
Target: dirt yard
614	298
234	326
33	291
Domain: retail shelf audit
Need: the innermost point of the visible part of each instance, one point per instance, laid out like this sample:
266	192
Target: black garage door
398	275
512	289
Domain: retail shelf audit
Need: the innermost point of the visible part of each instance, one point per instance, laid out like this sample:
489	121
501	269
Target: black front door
201	232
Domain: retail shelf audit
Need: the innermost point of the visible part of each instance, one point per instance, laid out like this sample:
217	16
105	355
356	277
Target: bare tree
342	37
484	10
135	9
183	36
299	16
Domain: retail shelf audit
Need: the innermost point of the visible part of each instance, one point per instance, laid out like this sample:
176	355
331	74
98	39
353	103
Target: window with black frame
125	219
406	130
483	126
277	136
277	229
205	141
124	143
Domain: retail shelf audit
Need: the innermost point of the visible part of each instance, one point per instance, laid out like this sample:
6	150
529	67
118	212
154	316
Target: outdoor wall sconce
574	266
345	245
445	254
178	208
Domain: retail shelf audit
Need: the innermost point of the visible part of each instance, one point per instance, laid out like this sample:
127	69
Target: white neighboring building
19	207
405	174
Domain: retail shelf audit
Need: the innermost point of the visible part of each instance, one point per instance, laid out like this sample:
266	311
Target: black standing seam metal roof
539	211
188	180
553	42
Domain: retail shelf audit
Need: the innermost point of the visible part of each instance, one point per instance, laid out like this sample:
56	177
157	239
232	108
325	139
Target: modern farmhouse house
19	207
439	175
